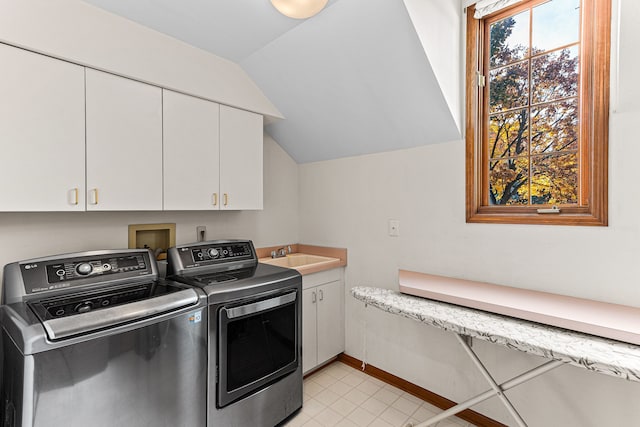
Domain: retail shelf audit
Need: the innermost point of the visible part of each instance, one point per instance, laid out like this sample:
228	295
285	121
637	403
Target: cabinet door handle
215	199
313	297
73	196
94	196
226	199
321	295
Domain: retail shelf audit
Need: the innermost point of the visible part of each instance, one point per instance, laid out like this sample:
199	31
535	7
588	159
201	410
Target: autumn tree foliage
533	136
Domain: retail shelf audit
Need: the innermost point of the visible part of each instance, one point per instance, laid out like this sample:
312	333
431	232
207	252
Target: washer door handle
91	321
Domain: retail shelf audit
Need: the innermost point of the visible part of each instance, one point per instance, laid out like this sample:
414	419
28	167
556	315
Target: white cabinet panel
41	133
322	318
124	144
241	151
330	320
309	331
191	152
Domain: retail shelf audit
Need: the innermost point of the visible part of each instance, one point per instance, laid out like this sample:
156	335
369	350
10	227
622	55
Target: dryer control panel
216	255
220	252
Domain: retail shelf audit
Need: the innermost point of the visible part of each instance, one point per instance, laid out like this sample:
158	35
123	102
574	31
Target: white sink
298	260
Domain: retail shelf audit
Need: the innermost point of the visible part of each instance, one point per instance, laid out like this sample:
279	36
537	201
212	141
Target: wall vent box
157	237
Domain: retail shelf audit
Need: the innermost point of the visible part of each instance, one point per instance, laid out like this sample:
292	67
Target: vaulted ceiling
354	79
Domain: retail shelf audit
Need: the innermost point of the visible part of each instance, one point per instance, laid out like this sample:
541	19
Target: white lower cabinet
322	317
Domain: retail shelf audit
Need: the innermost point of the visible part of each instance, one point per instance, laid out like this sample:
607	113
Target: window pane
554	127
508	182
555	75
509	40
509	134
554	179
555	23
539	133
509	87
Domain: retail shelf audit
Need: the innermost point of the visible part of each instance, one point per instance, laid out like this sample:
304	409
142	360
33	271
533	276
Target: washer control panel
73	270
66	272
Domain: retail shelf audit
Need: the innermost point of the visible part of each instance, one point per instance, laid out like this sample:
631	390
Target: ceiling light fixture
299	9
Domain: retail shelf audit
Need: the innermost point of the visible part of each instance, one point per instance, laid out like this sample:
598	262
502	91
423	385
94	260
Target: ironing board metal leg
496	390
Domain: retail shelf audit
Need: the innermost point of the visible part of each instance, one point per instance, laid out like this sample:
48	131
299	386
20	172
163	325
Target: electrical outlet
394	228
201	233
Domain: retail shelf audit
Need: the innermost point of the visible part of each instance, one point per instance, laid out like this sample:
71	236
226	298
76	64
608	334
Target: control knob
84	269
213	252
84	307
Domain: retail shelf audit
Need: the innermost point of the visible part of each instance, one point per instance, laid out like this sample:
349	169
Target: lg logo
30	266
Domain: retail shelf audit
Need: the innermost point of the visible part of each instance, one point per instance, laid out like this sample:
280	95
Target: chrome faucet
283	251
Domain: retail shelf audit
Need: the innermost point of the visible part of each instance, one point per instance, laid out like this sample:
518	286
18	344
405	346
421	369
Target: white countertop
575	348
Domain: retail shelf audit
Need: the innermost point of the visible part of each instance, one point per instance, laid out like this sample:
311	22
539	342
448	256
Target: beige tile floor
342	396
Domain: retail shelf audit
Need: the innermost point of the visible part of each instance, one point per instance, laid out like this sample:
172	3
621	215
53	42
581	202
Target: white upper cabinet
241	151
41	133
212	155
75	139
124	143
191	152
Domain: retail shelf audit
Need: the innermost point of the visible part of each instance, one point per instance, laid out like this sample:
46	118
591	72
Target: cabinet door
241	151
330	320
191	152
124	144
309	332
41	133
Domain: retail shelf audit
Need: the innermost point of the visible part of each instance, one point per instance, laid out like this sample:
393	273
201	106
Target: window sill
537	219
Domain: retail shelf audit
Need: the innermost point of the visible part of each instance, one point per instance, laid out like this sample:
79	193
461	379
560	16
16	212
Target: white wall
437	24
347	203
29	235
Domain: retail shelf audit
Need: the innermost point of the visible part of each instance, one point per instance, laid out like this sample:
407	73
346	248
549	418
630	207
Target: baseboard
422	393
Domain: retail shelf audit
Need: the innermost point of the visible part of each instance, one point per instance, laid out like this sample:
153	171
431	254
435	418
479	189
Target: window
538	113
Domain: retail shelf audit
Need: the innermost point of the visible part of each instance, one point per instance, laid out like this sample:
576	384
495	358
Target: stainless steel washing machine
96	339
255	331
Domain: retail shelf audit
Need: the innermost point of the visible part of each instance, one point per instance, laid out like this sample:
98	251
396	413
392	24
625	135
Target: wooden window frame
594	126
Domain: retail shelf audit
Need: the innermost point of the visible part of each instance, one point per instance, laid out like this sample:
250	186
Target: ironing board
560	346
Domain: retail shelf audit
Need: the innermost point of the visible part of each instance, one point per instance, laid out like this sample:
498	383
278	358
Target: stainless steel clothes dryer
255	333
